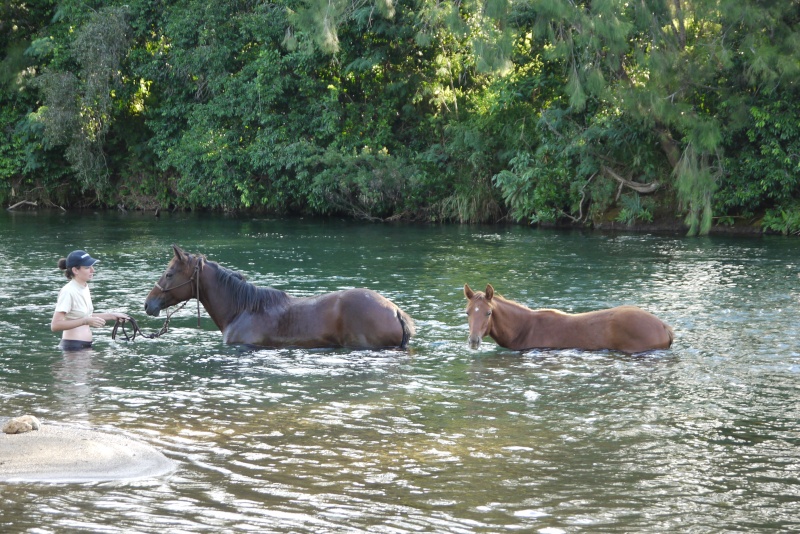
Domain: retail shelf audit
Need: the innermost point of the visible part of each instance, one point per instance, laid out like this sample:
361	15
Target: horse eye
488	313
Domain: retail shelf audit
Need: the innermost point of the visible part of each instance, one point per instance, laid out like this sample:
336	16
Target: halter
198	266
120	323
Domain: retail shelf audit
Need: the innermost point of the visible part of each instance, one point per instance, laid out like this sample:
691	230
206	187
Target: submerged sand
57	454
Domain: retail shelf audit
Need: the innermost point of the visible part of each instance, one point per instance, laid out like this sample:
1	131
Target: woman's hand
100	319
95	321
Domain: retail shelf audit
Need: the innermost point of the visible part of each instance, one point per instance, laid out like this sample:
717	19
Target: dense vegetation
538	110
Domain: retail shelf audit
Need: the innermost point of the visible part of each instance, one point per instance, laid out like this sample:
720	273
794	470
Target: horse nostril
152	309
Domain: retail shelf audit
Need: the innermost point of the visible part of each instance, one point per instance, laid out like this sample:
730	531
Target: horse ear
489	292
468	292
179	253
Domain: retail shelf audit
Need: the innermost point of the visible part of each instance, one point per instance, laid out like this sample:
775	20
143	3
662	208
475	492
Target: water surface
703	437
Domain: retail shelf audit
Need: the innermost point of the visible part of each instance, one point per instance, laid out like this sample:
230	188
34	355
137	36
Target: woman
74	315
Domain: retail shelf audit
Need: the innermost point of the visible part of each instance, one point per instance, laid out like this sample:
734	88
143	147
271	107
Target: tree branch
636	186
20	203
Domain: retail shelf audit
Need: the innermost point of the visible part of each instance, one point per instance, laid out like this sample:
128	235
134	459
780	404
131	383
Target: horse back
625	328
632	329
365	316
352	318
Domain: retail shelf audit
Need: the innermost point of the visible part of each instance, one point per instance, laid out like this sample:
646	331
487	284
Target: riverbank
608	224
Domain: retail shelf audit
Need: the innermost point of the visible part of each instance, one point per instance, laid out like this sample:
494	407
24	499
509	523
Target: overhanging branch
636	186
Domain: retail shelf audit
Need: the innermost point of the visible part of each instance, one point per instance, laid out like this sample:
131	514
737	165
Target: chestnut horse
264	316
516	327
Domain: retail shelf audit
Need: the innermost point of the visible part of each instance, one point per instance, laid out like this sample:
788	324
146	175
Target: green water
703	437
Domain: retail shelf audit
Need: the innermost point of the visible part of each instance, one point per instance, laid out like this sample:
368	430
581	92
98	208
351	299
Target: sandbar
65	454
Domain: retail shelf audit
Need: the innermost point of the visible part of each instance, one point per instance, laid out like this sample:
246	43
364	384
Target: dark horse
263	316
516	327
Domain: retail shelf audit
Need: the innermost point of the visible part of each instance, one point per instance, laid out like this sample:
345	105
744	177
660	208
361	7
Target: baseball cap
80	258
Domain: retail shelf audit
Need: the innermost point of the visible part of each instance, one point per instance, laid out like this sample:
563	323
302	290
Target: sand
62	454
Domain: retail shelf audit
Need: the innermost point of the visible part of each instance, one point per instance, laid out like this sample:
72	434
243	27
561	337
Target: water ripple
701	437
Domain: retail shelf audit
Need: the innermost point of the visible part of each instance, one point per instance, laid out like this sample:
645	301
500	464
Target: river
703	437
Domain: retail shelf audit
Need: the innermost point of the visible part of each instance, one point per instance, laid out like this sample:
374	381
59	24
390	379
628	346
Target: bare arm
59	323
112	316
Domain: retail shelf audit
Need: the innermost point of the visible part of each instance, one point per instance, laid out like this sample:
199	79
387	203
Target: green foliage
78	106
538	187
763	166
635	208
784	220
696	183
620	58
12	152
545	111
366	185
320	19
478	204
572	174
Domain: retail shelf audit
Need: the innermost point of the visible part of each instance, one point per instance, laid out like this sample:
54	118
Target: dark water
700	438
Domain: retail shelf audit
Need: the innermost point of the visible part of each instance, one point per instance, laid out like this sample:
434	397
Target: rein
134	325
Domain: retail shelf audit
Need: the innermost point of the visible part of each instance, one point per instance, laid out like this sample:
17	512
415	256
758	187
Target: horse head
177	284
479	312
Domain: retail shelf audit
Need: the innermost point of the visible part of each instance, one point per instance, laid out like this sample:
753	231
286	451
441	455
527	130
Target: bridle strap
120	323
198	266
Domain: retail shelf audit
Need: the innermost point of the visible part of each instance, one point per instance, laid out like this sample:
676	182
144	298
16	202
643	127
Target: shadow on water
701	437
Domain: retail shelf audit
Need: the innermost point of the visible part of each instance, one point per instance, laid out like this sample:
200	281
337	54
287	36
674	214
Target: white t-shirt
75	300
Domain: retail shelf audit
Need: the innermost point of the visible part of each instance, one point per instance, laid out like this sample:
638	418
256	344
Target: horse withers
517	327
264	316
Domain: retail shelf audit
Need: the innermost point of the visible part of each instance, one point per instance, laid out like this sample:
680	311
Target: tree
23	164
78	95
680	72
545	110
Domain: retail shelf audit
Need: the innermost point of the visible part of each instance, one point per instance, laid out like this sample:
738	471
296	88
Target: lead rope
197	268
120	323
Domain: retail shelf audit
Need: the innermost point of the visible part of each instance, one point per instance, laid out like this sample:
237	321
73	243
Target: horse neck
220	308
510	321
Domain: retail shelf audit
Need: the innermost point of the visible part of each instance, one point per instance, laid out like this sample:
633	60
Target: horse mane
499	298
521	306
246	296
513	303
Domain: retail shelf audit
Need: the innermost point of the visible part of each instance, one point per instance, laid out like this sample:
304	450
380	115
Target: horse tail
407	323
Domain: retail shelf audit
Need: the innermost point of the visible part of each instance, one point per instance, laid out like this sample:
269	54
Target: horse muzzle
153	307
474	342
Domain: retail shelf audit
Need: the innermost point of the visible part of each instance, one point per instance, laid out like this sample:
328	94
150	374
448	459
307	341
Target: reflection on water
702	437
73	376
